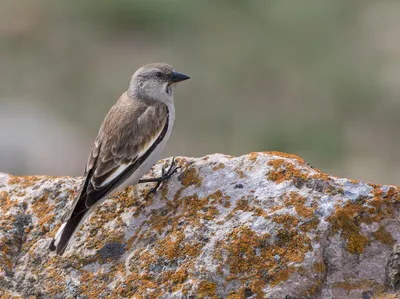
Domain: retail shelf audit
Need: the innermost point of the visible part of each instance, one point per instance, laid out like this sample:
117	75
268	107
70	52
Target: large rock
256	226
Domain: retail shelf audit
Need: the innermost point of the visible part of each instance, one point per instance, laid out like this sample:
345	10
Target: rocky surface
264	225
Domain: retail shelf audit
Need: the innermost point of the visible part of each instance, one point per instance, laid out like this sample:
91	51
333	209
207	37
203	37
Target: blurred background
317	78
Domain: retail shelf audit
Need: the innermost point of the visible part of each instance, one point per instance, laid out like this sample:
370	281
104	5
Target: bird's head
155	82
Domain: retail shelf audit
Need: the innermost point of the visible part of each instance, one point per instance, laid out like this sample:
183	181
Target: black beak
178	77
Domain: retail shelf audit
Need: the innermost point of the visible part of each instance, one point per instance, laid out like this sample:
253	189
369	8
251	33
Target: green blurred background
320	79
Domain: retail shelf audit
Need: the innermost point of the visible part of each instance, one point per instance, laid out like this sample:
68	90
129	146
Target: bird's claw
165	175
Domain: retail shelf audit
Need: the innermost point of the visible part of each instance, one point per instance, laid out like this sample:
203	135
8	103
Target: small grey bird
129	143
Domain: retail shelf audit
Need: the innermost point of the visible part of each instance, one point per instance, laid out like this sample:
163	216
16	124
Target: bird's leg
165	175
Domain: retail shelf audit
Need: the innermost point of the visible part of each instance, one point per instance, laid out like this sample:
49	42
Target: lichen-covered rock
264	225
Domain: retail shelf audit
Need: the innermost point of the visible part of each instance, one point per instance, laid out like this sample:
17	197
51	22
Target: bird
130	141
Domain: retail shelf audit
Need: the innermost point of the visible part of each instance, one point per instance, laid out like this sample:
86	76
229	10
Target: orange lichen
242	254
219	166
243	205
275	209
392	193
282	275
310	224
356	243
7	295
159	222
53	274
253	156
217	196
195	208
284	170
358	285
138	286
170	245
234	295
384	236
173	246
191	177
164	192
43	211
6	203
24	181
45	220
288	221
319	267
6	264
287	156
299	204
377	192
4	197
178	193
241	174
312	290
296	244
343	219
386	296
349	217
255	261
210	213
322	176
92	284
179	276
248	256
207	289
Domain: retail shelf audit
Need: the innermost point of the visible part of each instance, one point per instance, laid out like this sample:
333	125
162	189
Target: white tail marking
58	234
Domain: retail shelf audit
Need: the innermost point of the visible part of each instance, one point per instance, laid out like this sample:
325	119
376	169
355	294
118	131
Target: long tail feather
66	232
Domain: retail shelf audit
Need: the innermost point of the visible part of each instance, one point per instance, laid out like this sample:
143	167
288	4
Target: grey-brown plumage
115	146
129	142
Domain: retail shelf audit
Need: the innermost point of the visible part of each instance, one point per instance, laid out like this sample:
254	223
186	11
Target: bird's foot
165	175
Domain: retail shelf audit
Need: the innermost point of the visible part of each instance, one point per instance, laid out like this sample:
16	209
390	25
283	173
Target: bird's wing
129	133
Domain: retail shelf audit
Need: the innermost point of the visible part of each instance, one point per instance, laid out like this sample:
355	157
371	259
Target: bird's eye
159	75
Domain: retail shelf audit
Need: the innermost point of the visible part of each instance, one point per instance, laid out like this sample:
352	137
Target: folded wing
128	135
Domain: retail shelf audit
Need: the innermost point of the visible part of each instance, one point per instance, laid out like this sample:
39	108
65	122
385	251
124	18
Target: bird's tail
66	231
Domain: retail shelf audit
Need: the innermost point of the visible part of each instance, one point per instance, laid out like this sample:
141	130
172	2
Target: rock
256	226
